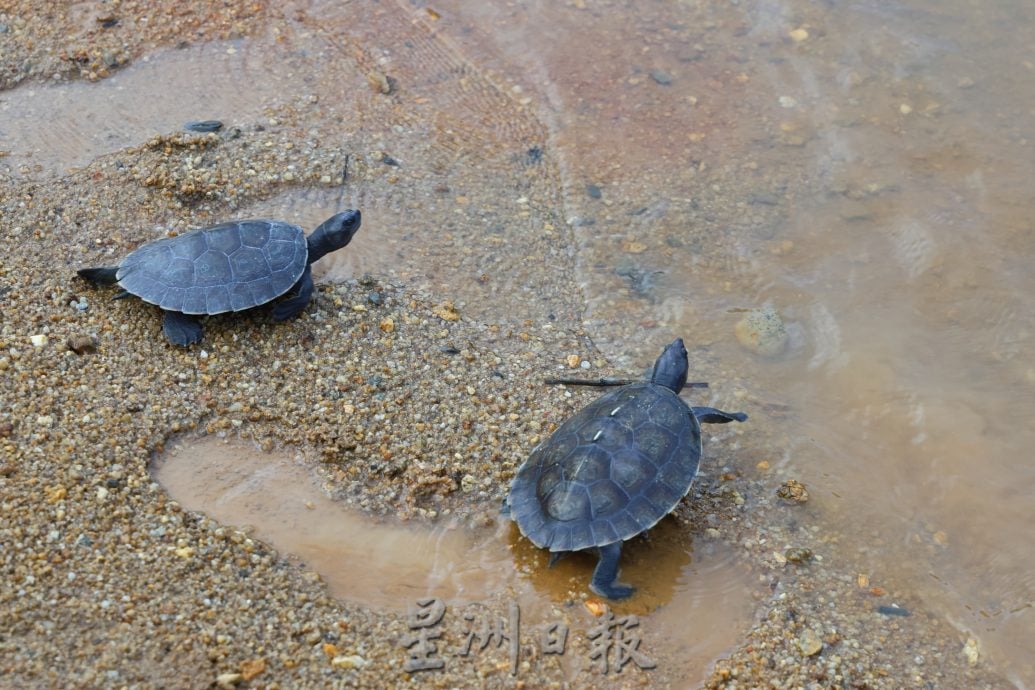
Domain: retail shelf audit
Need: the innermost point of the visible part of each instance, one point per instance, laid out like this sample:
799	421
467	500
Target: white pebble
353	661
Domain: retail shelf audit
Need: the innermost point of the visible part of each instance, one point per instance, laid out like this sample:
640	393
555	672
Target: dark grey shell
610	472
226	267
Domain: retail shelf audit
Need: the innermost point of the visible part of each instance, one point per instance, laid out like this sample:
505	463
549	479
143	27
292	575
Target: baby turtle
227	267
614	469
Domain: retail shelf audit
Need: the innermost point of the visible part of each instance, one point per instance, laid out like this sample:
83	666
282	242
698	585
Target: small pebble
662	77
809	643
798	554
252	668
228	680
353	661
39	340
446	311
203	126
794	491
971	651
799	35
379	82
762	331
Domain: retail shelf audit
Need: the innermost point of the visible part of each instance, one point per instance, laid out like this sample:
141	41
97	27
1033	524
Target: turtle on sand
614	470
227	267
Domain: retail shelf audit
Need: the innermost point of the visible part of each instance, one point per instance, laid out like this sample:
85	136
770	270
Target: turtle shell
610	472
226	267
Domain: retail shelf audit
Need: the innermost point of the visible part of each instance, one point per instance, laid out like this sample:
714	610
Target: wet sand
405	402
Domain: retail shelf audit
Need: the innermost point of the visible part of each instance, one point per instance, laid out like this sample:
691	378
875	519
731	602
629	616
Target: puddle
62	126
387	565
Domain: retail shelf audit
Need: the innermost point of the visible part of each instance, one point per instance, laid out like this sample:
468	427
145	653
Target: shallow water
863	167
387	566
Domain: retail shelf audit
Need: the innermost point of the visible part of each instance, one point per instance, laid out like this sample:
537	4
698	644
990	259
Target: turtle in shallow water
227	267
614	469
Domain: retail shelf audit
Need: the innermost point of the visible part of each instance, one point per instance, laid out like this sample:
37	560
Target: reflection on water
864	167
388	566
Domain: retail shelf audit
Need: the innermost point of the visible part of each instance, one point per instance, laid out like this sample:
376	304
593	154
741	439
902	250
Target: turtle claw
554	557
614	591
289	309
181	329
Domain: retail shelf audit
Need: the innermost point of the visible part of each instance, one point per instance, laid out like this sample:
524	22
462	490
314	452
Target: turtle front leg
709	415
605	577
181	329
293	306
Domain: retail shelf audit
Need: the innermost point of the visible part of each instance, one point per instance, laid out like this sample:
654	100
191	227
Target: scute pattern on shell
226	267
610	472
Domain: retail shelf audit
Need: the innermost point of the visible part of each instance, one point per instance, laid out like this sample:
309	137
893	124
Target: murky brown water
863	167
389	565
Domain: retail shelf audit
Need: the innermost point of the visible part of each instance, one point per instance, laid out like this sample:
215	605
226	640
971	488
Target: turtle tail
105	275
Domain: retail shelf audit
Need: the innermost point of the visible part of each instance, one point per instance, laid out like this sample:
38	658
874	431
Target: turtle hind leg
605	577
105	275
293	306
181	329
709	415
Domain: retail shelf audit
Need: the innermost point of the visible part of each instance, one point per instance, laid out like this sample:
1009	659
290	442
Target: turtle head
671	367
334	233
